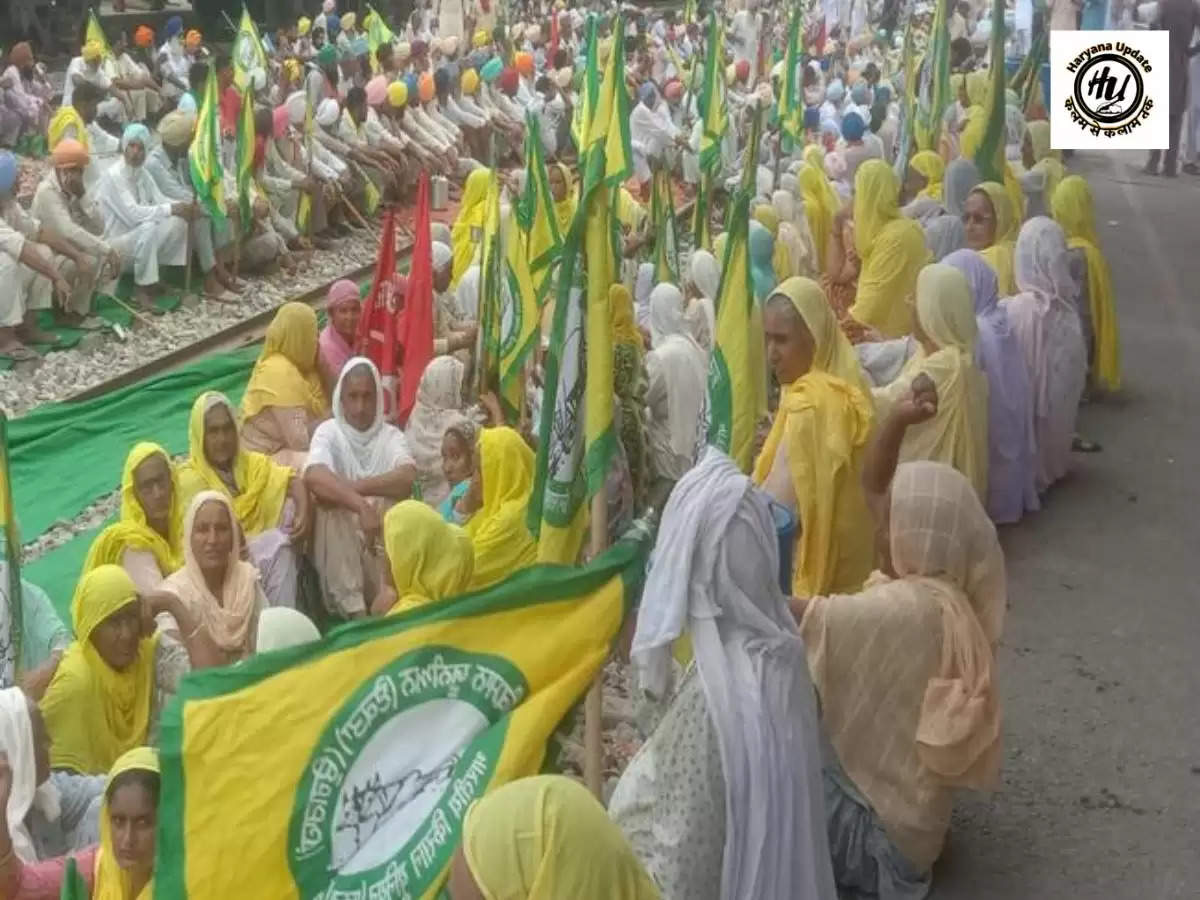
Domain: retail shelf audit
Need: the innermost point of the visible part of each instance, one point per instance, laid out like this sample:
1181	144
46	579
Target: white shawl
683	365
16	739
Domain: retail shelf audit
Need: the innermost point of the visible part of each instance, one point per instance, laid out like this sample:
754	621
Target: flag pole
187	277
593	706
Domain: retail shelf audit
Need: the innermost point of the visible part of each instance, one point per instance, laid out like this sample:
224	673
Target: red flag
377	325
416	326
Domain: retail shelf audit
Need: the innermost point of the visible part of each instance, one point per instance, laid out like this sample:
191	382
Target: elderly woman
1011	491
992	230
453	331
945	233
891	249
359	465
541	837
677	387
343	306
121	867
220	590
724	799
270	502
1046	325
812	458
704	277
795	236
906	729
285	400
439	403
1043	169
944	325
496	502
923	187
1072	209
428	559
112	682
147	539
821	205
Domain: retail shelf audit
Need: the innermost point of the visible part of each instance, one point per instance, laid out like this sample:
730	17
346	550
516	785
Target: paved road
1100	664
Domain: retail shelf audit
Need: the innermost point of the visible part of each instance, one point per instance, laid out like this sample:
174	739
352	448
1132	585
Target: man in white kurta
140	222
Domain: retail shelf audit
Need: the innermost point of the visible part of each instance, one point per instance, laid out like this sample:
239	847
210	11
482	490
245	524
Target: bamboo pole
187	278
593	707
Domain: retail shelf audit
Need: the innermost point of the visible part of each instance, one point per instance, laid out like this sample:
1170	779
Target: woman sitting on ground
496	502
428	559
343	306
945	327
992	230
439	403
270	500
112	682
812	458
219	589
285	399
725	798
923	187
147	541
108	872
908	728
544	837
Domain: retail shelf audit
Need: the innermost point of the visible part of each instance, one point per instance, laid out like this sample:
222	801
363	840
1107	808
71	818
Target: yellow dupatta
1000	254
429	558
824	420
1072	209
132	531
111	881
67	117
467	230
933	168
564	209
285	374
821	203
262	483
891	247
497	529
93	712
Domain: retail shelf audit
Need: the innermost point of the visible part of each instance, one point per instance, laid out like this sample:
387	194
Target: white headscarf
684	365
439	402
16	739
442	255
706	273
280	627
715	573
349	452
467	293
642	286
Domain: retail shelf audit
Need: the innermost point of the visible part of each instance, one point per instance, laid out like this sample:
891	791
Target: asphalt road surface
1100	664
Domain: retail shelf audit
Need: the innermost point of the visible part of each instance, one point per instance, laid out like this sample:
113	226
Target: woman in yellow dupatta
892	250
285	399
467	231
812	458
821	203
978	92
944	324
99	702
992	230
930	165
149	533
131	795
565	198
500	494
428	558
1072	209
545	838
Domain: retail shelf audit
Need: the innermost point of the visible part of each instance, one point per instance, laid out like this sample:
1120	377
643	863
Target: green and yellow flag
245	160
491	265
581	120
666	240
247	52
701	230
535	212
304	210
989	156
204	156
713	111
933	90
360	753
95	33
378	34
10	650
737	374
791	97
573	460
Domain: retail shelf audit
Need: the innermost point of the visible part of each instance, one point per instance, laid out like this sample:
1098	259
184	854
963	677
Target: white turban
328	112
295	104
442	255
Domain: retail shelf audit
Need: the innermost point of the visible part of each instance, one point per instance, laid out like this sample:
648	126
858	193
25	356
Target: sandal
19	353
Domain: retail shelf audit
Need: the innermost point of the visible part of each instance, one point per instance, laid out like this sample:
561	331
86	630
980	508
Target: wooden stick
359	217
593	706
141	317
187	278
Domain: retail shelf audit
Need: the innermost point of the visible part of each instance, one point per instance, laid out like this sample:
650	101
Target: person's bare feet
29	332
12	347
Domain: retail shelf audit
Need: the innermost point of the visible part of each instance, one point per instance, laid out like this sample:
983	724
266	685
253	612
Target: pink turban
376	90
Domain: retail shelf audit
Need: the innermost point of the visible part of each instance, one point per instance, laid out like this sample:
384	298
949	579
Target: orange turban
524	63
192	39
425	88
68	154
143	36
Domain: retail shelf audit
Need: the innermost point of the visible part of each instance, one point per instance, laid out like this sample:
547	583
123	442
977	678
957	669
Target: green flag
713	111
701	233
378	34
933	91
73	885
989	155
535	213
204	157
245	160
577	437
581	121
791	101
248	54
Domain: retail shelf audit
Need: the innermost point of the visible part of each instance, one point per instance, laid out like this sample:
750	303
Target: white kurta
24	289
138	223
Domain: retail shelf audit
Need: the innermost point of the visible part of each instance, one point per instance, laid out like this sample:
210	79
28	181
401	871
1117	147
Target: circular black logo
1109	90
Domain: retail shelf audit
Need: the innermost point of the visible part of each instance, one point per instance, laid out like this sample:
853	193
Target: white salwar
347	565
138	223
677	389
715	576
24	289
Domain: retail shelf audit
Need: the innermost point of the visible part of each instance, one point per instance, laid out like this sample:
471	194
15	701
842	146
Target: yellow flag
343	768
